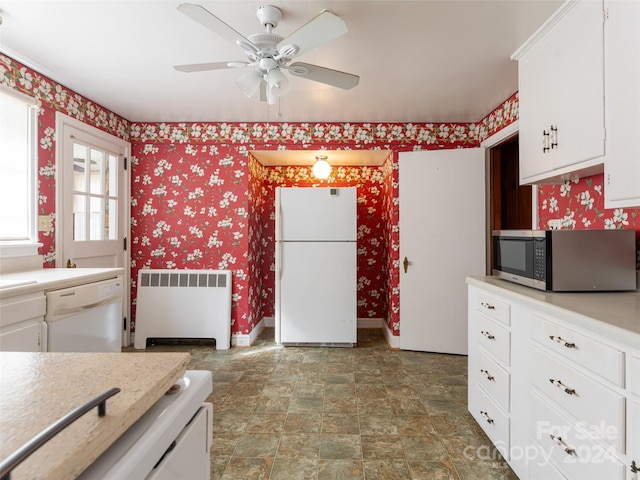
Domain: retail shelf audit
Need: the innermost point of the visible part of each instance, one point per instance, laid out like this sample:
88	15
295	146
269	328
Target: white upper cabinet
561	90
622	106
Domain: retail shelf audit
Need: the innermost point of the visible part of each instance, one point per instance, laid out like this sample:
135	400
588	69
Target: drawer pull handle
487	374
488	306
487	417
559	384
558	441
487	334
634	467
562	341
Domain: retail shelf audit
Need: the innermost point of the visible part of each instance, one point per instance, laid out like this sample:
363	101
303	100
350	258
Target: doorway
510	204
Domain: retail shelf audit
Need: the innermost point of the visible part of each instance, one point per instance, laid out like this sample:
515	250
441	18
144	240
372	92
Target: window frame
29	246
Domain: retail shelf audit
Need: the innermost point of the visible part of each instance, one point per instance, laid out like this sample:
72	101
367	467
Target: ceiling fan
269	53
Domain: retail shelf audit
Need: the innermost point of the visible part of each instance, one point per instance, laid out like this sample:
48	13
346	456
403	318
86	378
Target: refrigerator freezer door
315	214
317	301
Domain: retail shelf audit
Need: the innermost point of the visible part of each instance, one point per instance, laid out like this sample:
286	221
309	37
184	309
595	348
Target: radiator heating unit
183	304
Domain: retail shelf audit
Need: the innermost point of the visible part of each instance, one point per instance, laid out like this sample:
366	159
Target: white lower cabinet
557	398
541	466
22	325
596	406
494	420
489	367
633	467
566	442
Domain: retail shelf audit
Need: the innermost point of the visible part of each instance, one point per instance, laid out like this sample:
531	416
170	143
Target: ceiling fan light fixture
278	84
249	82
321	169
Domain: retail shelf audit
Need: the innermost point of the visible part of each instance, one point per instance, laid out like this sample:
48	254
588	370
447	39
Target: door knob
405	263
70	264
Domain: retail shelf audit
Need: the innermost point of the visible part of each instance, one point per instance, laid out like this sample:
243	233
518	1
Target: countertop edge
51	279
602	326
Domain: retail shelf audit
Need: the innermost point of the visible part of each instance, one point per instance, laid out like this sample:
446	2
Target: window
18	192
95	193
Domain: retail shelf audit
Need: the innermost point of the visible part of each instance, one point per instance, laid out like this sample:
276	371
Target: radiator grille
218	280
183	304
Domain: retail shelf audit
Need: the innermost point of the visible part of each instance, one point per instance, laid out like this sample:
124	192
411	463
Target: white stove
170	441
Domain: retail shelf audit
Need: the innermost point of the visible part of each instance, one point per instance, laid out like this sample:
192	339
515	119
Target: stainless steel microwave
566	260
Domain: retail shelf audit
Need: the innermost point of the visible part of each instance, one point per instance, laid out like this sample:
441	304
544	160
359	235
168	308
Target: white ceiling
418	61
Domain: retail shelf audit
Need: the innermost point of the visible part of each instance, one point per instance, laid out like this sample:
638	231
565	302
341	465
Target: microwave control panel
539	259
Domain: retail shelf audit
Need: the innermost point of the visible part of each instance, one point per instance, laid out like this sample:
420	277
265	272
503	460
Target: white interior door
92	200
442	238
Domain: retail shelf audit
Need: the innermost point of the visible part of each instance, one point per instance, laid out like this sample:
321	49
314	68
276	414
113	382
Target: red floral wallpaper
199	200
580	205
53	98
177	167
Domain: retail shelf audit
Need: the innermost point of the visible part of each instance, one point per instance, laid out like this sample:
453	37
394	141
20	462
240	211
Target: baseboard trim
243	340
370	322
362	322
392	340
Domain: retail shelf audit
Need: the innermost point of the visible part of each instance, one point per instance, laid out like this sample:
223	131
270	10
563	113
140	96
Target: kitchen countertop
614	315
36	389
19	283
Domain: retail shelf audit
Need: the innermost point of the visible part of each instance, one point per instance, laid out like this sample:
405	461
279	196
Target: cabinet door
634	429
622	107
535	86
561	91
22	337
576	66
189	456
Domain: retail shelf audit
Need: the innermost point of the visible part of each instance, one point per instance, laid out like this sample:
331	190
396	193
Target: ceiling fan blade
331	77
209	20
320	29
203	67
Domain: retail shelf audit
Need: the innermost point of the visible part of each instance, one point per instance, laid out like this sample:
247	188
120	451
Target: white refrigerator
316	281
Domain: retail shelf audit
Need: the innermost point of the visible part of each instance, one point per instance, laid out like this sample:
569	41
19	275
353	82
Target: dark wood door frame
510	204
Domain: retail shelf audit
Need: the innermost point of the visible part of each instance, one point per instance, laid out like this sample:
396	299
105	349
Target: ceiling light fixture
321	169
270	55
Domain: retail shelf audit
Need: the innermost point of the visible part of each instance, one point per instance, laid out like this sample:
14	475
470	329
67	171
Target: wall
371	241
580	205
194	186
200	201
53	98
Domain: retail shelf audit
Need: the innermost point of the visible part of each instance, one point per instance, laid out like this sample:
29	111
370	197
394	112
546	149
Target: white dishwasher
85	318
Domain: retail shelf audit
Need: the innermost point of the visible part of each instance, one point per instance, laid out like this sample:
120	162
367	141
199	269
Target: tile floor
367	412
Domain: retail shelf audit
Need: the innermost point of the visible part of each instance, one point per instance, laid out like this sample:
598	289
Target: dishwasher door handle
65	312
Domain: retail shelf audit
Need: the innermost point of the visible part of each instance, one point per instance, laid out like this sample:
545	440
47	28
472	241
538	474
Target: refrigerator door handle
279	253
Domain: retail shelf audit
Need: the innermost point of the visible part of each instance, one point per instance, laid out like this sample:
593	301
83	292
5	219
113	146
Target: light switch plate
44	223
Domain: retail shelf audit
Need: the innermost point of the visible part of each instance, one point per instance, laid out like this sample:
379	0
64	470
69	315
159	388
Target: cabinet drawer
634	379
493	420
23	307
494	379
600	408
540	467
634	431
494	338
600	358
575	454
495	309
